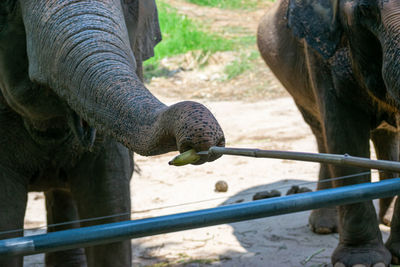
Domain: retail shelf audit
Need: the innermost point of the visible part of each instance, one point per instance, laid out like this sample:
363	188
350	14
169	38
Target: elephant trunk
81	50
390	41
390	68
391	74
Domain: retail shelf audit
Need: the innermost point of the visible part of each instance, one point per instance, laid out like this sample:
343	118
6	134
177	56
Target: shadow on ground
283	240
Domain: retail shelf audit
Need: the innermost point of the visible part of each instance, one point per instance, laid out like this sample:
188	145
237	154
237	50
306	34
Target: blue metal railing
107	233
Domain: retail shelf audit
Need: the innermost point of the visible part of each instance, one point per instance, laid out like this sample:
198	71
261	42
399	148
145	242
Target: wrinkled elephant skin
339	60
73	107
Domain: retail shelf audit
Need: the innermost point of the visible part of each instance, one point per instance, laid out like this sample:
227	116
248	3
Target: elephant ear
141	18
316	21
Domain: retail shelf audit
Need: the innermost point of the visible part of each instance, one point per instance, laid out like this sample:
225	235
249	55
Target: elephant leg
13	199
386	143
360	242
61	208
347	131
322	220
100	186
393	242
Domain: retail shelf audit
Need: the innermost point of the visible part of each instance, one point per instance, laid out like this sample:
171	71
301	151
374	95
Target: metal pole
107	233
303	156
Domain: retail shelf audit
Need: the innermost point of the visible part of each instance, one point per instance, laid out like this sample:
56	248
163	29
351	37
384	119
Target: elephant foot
365	255
324	221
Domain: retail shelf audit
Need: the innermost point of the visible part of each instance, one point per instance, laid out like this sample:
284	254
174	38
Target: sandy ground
161	189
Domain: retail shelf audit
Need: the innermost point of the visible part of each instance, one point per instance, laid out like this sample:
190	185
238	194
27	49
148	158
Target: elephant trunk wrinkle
390	40
390	14
391	70
88	62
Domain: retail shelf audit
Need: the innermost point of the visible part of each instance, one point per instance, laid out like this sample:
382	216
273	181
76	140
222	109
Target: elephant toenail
359	265
339	264
379	264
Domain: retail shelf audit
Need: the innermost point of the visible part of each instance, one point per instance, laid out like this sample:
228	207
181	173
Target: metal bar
303	156
107	233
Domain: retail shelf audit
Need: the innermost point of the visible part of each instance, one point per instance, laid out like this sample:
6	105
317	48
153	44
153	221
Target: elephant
73	108
339	60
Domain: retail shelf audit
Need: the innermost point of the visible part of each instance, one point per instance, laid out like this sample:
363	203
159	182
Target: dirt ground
161	189
254	111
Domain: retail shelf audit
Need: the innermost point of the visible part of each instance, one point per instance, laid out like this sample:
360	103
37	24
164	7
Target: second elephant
340	62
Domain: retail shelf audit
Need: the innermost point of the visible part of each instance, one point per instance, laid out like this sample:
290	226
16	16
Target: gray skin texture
73	107
339	60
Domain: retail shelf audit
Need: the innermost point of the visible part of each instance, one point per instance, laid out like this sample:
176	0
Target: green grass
181	35
238	66
228	4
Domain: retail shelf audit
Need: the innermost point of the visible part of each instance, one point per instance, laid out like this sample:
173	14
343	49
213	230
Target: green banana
186	157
